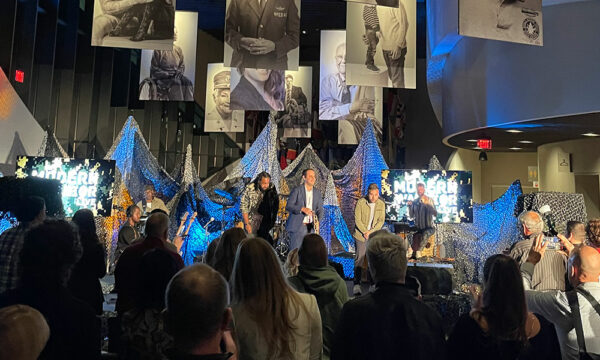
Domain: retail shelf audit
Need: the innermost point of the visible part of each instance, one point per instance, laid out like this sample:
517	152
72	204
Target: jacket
331	293
156	204
362	214
296	201
245	97
277	21
268	208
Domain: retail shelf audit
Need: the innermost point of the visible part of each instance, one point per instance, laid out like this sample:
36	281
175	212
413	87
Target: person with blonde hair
272	321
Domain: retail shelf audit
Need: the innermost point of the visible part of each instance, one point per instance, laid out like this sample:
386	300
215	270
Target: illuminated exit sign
485	144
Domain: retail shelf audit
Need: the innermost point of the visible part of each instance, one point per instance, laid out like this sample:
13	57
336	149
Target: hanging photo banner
381	45
351	105
219	116
262	34
392	3
134	24
296	119
257	89
168	75
505	20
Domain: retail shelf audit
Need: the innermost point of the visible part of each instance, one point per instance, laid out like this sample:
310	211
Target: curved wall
490	83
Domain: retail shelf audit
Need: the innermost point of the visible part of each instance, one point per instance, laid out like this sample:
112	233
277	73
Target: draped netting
352	181
50	147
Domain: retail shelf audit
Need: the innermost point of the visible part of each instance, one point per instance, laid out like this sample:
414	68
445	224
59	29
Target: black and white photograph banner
134	24
168	75
351	105
257	89
219	116
392	3
381	45
296	119
518	21
262	34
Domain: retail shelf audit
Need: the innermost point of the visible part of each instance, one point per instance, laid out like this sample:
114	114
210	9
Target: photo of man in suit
294	92
262	33
305	202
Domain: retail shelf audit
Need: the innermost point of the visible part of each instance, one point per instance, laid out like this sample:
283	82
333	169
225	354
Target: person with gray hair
198	315
389	322
549	274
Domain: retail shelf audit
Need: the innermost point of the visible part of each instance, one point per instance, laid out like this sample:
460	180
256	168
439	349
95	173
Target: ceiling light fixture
514	131
483	156
515	148
526	142
472	140
590	134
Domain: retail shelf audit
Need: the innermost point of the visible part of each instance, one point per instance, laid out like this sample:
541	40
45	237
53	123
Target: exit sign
485	144
19	76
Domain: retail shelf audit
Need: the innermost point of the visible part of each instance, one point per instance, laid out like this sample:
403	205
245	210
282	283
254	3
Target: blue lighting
7	221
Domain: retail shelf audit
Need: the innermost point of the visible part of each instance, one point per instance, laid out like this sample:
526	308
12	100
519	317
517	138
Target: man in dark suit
304	203
388	323
262	32
294	92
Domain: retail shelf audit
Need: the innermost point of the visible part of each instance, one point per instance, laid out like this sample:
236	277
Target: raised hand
538	248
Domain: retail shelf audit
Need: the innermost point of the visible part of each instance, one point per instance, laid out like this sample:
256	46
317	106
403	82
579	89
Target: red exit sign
19	76
485	144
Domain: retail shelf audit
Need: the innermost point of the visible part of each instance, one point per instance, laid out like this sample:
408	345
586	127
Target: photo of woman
257	89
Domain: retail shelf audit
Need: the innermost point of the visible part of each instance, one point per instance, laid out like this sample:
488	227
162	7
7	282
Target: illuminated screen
86	183
451	192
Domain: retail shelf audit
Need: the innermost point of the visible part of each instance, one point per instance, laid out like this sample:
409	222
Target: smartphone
553	243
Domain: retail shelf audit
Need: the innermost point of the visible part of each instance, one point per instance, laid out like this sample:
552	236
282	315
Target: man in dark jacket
388	323
262	32
321	280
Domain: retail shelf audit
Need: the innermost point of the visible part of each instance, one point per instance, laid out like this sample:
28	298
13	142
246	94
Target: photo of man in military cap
219	117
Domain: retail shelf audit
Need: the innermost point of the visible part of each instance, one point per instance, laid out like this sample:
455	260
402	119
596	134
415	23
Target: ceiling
537	132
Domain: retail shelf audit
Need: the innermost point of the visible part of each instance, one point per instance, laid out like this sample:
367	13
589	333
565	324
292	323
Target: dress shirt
309	203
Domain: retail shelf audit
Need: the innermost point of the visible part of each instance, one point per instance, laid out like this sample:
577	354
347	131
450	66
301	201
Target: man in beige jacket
369	216
151	202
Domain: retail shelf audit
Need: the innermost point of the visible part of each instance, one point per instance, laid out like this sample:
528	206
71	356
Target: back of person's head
414	286
158	211
386	253
23	333
592	230
156	269
196	306
259	287
313	252
210	251
584	265
292	263
32	208
531	224
503	299
575	232
157	226
84	219
226	249
49	252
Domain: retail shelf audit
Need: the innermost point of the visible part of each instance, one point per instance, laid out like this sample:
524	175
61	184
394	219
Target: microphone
546	213
208	223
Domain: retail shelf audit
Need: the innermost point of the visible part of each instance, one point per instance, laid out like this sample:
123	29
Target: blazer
245	97
277	21
296	202
362	214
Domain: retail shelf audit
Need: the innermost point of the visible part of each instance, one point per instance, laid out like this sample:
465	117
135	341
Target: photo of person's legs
395	67
372	41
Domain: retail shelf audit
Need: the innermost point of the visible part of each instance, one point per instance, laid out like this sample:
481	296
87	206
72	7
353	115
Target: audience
290	267
550	274
272	321
127	273
197	315
316	277
388	323
143	329
575	232
128	232
499	325
23	333
31	213
225	251
49	252
592	230
210	251
85	278
575	314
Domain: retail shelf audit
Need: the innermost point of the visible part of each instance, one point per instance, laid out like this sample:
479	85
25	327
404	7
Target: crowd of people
242	302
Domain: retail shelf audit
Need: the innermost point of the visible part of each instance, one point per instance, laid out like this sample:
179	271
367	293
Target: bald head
157	225
196	305
23	332
584	265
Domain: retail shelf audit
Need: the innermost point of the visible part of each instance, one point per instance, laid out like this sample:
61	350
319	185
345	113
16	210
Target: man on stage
151	202
369	216
305	206
423	211
259	206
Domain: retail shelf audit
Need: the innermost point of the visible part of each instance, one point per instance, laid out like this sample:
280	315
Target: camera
553	243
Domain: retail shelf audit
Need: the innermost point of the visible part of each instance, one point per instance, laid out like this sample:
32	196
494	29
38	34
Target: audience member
85	278
143	329
498	326
550	274
31	213
321	280
592	230
388	323
49	252
290	267
575	232
272	321
576	313
128	232
210	251
127	273
197	316
23	333
225	251
414	287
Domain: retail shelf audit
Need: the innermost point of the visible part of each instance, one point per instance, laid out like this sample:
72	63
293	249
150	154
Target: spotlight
483	156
